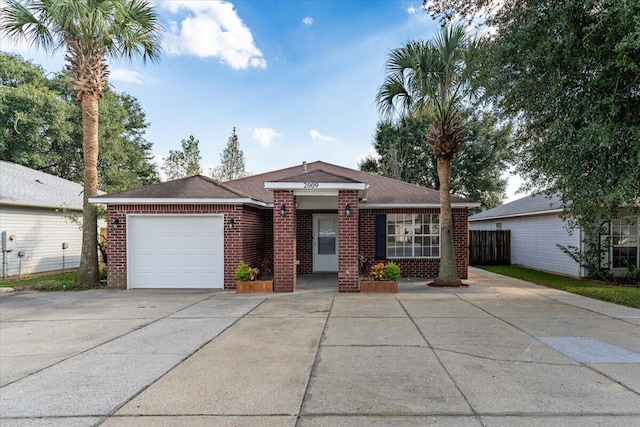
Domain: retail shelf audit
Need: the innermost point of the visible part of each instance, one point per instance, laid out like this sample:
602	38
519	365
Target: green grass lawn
53	282
623	295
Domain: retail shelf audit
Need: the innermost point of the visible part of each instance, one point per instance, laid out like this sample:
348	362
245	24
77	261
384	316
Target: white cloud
411	10
314	134
371	153
265	135
129	76
307	20
211	29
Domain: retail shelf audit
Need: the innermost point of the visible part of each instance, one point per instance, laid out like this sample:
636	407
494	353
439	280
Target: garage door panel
172	251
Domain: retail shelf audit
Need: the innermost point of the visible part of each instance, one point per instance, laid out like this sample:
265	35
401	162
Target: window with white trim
625	242
413	235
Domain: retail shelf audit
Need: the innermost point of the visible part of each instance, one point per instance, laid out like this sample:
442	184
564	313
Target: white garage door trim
193	270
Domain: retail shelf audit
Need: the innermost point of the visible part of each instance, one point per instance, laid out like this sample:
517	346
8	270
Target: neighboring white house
32	205
537	228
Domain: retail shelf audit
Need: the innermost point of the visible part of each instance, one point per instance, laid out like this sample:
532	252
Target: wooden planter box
379	286
254	286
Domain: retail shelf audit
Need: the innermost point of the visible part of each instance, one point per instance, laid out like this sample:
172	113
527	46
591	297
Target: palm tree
433	79
91	31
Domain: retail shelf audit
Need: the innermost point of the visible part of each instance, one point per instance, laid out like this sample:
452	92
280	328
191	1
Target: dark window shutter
381	236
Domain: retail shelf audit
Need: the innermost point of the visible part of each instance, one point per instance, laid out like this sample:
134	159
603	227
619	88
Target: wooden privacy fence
489	247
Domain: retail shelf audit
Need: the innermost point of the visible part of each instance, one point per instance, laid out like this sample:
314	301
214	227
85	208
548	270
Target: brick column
284	242
348	262
116	248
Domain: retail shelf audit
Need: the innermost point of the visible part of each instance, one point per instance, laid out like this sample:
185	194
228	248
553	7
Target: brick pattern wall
253	236
284	242
268	234
461	241
304	241
418	267
117	237
348	263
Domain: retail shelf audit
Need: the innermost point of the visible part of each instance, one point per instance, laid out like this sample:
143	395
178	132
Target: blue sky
296	78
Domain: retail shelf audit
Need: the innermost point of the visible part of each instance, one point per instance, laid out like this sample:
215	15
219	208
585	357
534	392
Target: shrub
377	271
392	271
380	271
245	273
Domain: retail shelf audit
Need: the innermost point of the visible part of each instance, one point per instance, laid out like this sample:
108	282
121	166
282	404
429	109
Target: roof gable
20	185
529	205
382	190
319	175
192	187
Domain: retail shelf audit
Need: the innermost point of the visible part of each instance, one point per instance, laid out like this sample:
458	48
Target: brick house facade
271	220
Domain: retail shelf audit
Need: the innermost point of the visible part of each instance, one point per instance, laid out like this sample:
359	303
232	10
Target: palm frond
431	78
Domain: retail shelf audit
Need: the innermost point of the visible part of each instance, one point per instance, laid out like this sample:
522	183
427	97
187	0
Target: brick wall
117	238
284	242
418	267
461	241
304	241
348	263
253	236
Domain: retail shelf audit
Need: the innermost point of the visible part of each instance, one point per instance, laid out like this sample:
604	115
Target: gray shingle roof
193	187
527	205
20	185
382	190
318	175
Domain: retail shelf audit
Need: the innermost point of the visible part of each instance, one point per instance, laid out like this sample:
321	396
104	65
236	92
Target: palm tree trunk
447	275
88	273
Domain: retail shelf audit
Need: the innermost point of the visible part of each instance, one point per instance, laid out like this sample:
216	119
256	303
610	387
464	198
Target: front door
325	242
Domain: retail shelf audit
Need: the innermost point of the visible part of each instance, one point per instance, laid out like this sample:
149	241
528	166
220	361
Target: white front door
325	242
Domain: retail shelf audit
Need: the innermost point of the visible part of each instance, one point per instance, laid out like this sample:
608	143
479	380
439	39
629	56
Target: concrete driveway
501	352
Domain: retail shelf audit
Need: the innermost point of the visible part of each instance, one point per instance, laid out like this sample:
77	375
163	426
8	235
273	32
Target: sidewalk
501	352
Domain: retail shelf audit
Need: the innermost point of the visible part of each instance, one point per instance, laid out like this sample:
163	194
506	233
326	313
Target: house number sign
310	185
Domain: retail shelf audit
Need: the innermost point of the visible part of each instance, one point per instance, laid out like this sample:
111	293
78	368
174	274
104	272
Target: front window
413	236
625	239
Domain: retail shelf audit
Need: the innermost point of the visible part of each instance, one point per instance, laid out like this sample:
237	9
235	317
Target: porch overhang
320	189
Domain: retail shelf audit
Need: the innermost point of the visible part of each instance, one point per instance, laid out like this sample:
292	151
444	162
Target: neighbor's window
624	242
413	235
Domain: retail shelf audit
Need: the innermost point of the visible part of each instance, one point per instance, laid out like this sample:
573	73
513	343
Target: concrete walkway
501	352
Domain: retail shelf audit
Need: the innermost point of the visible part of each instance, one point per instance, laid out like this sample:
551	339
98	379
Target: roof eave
39	205
515	215
416	205
315	186
173	201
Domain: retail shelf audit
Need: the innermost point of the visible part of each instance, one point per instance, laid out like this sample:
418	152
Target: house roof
380	190
535	204
196	187
318	175
23	186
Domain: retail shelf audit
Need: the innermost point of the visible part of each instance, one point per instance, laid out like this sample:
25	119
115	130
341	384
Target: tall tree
90	31
41	128
231	161
476	169
185	162
566	72
433	79
33	119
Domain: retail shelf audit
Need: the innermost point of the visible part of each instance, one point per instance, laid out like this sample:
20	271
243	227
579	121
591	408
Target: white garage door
181	251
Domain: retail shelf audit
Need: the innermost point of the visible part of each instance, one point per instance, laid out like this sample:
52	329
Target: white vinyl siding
534	240
40	234
175	251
